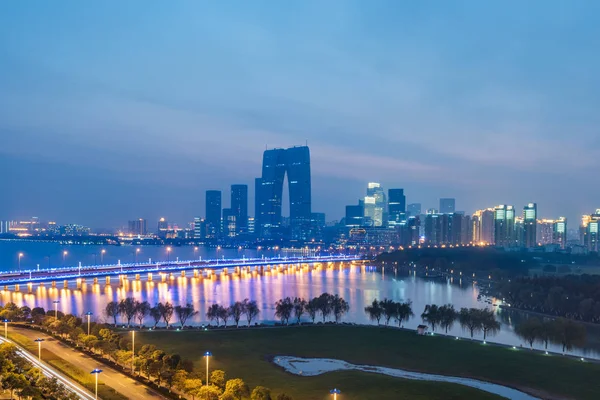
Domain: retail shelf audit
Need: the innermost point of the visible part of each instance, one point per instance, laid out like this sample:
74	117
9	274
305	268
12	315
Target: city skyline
128	128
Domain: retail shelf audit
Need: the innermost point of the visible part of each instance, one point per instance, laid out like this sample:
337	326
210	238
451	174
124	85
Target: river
358	285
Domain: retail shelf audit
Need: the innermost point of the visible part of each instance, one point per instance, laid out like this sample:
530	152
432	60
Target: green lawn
245	353
82	377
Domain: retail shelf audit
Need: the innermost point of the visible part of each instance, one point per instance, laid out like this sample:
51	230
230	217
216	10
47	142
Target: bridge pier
137	277
66	284
183	274
171	276
53	284
95	281
6	288
30	287
225	271
79	283
108	280
17	288
196	273
163	277
149	276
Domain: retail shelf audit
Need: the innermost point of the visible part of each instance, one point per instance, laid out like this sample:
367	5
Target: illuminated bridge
161	270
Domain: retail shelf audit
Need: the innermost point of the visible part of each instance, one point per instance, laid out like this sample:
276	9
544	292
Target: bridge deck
70	273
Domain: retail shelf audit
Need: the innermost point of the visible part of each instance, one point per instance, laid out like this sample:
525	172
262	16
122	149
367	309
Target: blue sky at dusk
111	110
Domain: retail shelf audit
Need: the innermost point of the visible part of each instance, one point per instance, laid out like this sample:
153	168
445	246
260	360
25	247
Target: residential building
530	225
213	214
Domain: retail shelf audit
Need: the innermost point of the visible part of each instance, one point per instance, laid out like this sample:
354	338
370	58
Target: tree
283	309
431	315
251	310
142	310
37	314
224	314
299	308
260	393
166	312
569	333
156	315
468	319
488	322
325	305
112	311
339	307
209	392
375	311
127	308
403	312
24	312
448	316
213	313
529	330
13	381
218	378
312	308
238	388
547	332
192	387
179	379
185	312
227	396
236	311
388	308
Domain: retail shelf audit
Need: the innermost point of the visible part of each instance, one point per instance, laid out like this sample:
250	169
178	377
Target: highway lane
123	384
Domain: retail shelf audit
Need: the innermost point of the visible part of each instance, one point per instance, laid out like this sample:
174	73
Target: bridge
163	270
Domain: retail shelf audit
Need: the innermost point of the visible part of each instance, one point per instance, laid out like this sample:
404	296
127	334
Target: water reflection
357	283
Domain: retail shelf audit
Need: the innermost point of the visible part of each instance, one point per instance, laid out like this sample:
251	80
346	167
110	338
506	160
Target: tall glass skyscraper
213	213
396	206
295	162
239	207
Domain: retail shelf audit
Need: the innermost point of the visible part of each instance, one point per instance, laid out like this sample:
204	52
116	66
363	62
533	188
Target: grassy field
246	354
82	377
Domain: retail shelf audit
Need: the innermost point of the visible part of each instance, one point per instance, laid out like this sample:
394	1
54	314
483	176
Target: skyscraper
375	205
504	225
137	227
414	209
447	206
199	228
213	213
239	207
396	206
560	232
354	215
590	229
295	162
530	225
482	224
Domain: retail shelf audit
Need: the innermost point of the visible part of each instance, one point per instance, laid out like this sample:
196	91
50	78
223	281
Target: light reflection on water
359	285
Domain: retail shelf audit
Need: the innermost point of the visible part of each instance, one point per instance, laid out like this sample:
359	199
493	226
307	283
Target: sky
112	110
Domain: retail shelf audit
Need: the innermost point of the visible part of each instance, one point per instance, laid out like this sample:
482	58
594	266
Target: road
49	371
123	384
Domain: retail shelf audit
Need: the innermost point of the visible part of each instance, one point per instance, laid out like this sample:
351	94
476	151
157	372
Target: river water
359	285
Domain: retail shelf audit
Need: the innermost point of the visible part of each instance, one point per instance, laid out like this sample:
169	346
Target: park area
248	354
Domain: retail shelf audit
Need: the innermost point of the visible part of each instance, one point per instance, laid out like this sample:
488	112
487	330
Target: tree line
165	370
326	305
572	296
561	331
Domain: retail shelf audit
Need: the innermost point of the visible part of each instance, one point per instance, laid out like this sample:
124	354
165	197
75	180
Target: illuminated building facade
504	226
530	225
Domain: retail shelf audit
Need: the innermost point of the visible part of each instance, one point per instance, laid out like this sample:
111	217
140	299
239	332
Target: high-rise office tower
229	223
414	209
213	213
560	232
504	225
137	227
530	225
482	224
199	228
239	207
590	229
396	206
355	215
375	205
295	162
447	206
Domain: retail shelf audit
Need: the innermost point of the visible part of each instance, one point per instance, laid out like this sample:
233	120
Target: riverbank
248	354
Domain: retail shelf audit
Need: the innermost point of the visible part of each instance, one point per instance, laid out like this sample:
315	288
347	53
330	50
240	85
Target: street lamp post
96	372
39	342
168	253
20	256
5	328
335	392
132	352
89	317
102	256
55	302
208	355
